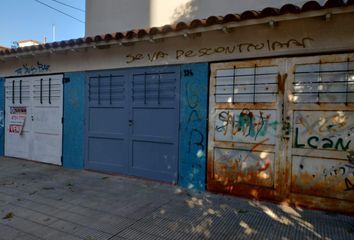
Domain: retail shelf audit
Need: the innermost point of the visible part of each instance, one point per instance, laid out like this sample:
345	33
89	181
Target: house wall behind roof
303	36
107	16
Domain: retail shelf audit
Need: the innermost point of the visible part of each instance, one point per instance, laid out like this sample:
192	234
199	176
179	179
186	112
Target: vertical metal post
254	83
13	91
110	89
319	80
89	89
20	91
347	83
99	88
145	88
41	91
50	90
233	85
158	90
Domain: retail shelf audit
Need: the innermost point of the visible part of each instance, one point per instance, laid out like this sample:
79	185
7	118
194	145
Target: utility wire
79	9
59	11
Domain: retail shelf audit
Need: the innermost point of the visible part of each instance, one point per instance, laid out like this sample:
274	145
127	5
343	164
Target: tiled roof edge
180	26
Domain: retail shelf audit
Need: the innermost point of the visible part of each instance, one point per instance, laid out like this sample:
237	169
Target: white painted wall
104	16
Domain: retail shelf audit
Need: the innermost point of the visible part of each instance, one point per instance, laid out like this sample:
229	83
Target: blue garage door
132	122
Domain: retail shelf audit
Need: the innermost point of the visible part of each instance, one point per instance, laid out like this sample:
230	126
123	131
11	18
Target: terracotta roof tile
231	18
88	40
78	41
311	6
167	28
71	42
181	26
118	35
196	23
269	12
142	33
212	20
334	3
290	8
154	31
55	44
249	15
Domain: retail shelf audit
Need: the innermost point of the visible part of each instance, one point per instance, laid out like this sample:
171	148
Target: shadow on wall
203	9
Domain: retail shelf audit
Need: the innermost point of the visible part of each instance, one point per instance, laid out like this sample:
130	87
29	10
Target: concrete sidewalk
39	201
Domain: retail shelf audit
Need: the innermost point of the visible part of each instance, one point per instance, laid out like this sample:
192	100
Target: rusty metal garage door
321	111
132	122
282	129
245	110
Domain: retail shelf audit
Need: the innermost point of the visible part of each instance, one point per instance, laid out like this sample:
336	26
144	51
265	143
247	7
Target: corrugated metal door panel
321	112
132	123
18	104
244	114
47	112
107	117
155	120
309	160
38	103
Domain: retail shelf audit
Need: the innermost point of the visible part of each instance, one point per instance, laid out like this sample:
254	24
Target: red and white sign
17	119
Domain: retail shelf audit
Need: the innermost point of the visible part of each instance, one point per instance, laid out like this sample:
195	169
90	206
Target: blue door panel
154	122
107	154
107	113
133	121
107	120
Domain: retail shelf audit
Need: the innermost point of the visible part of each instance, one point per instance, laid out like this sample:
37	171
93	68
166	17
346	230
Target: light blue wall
74	112
2	116
193	126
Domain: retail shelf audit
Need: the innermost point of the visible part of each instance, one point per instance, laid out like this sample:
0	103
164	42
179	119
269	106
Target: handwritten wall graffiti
237	48
252	167
193	126
26	69
323	177
343	172
248	126
324	130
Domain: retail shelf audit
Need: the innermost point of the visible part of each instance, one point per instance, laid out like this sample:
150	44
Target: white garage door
34	110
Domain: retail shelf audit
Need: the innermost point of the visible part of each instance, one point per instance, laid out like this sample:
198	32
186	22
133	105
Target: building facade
257	104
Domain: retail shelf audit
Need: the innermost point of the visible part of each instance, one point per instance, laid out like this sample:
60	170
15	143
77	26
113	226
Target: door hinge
62	120
66	80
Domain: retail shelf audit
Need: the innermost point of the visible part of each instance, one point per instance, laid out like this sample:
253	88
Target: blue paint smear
73	128
193	126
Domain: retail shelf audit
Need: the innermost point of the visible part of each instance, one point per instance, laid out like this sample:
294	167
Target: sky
28	19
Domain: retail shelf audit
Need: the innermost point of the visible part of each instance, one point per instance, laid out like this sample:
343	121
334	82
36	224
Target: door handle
130	122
